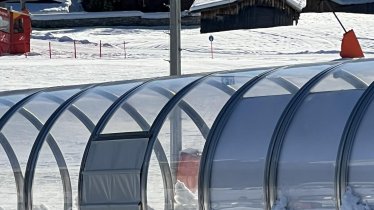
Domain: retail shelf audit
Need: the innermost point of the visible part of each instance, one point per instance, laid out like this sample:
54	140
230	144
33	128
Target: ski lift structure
15	31
247	138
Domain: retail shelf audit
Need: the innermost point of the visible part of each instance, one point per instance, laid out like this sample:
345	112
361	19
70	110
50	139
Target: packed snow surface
317	38
280	204
351	201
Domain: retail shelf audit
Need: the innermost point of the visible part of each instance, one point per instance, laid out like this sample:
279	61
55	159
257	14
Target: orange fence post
75	50
50	51
124	48
100	48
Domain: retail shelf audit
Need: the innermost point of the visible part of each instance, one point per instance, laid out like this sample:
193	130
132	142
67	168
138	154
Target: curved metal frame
50	140
53	144
3	121
212	140
212	135
100	126
166	173
140	120
54	148
191	112
154	131
347	140
280	131
43	134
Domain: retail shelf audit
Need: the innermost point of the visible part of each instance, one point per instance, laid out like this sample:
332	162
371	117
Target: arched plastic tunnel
294	137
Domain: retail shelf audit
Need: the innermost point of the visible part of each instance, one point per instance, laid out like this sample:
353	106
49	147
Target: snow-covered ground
316	38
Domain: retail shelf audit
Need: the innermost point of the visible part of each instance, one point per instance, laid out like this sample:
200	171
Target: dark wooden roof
248	14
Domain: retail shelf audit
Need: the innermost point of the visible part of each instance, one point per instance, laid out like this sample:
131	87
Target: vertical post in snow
75	49
50	51
100	48
175	70
211	38
211	48
24	47
124	49
23	5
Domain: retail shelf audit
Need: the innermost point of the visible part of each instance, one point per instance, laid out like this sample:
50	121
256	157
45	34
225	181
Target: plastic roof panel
79	118
320	119
236	177
361	159
146	102
197	110
286	81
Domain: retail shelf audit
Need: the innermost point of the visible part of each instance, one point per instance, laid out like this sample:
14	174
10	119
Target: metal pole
175	70
23	5
175	37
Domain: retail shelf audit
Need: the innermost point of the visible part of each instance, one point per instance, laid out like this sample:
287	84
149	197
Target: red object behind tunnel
15	31
350	46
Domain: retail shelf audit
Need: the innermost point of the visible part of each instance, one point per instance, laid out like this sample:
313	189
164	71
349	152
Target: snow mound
1	208
184	198
84	41
353	202
65	39
280	204
107	45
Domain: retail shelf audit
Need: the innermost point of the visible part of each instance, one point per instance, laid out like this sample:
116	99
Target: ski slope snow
316	38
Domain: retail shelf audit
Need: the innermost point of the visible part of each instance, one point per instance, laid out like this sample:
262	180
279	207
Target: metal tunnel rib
219	85
56	153
191	112
42	136
76	111
16	167
352	79
64	173
154	131
347	141
159	150
99	127
286	84
212	140
280	131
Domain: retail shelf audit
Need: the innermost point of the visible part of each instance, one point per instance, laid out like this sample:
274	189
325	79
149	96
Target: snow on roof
346	2
90	15
296	4
199	5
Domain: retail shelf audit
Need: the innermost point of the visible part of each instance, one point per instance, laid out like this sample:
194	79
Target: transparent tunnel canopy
20	132
123	138
237	177
361	158
59	176
147	102
8	100
91	143
183	136
320	120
